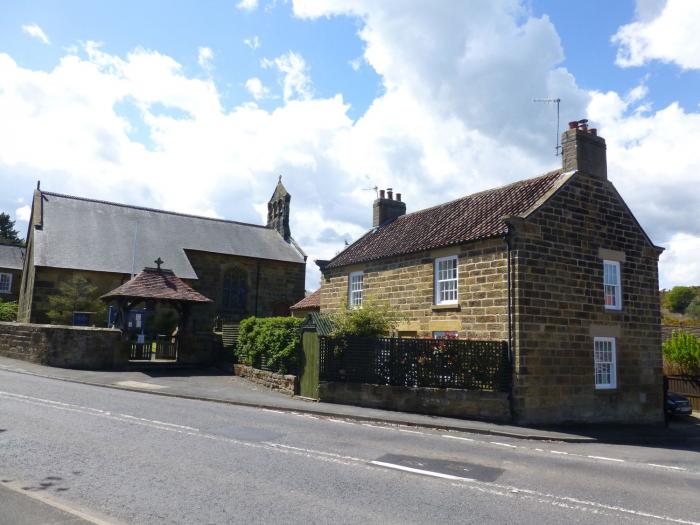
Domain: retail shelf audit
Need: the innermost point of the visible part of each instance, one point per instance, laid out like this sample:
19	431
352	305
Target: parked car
678	405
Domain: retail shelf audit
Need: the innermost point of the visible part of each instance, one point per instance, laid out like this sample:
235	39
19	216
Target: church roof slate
102	236
11	256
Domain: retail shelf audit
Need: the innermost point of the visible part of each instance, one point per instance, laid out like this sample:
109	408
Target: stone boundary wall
667	330
448	402
63	346
285	384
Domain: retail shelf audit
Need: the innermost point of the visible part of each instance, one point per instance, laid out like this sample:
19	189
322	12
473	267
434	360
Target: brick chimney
583	150
387	209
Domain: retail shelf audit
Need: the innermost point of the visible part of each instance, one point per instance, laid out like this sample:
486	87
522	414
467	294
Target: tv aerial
557	101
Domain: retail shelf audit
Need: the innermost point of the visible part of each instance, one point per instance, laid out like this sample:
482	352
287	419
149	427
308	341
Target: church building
245	269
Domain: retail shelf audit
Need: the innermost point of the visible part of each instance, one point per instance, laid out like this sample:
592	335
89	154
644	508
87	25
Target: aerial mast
557	101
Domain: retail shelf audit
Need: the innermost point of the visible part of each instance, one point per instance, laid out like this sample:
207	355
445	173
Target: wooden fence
688	386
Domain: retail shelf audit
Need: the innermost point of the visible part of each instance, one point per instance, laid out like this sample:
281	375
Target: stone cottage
11	261
246	269
556	265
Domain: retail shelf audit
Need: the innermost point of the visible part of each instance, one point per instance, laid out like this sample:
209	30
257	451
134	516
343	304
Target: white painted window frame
612	384
355	296
9	282
617	286
437	285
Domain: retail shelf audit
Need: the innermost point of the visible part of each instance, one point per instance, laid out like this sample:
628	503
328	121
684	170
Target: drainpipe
511	353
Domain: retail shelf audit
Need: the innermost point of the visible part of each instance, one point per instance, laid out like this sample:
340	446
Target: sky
197	107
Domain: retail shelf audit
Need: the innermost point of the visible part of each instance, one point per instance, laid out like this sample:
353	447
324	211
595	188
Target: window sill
449	307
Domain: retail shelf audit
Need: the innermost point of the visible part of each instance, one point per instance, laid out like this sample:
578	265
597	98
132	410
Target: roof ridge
490	190
145	208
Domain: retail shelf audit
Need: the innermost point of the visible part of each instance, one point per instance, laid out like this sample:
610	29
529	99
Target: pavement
220	386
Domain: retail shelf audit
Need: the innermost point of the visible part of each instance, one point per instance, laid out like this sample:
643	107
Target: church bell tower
278	211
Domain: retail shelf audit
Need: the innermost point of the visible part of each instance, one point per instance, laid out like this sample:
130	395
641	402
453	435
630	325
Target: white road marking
159	422
603	458
486	487
419	471
457	437
666	466
410	431
275	411
559	452
334	420
502	444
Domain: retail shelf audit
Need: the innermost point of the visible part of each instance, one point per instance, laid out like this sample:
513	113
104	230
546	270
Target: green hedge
683	350
8	310
272	341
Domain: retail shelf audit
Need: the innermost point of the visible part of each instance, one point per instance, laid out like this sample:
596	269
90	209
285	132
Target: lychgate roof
313	300
108	237
477	216
11	256
157	284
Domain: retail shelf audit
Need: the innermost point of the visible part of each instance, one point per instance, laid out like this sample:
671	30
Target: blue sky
197	106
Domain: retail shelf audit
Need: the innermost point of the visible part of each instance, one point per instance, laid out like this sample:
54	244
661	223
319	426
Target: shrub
276	339
679	298
8	310
683	350
370	320
693	309
76	294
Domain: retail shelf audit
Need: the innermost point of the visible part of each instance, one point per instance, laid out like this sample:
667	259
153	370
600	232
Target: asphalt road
126	457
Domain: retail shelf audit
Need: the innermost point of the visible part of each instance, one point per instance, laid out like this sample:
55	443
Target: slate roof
11	256
313	300
477	216
103	236
152	283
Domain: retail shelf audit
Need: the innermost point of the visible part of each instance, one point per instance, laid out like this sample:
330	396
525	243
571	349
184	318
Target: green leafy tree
683	350
8	310
76	294
371	320
679	298
8	234
693	309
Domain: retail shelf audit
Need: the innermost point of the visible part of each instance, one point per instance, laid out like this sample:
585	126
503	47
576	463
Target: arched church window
235	290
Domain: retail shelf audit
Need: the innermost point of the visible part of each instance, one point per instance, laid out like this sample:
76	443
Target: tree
76	294
693	309
8	234
679	298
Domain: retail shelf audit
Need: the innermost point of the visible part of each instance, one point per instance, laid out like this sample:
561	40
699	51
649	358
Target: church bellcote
278	211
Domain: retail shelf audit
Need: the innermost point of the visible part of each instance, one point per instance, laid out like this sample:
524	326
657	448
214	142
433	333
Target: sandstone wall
63	346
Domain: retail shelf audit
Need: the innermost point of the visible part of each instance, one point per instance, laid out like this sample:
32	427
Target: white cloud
674	265
356	63
295	79
665	32
35	31
204	57
252	42
247	5
256	88
447	123
23	213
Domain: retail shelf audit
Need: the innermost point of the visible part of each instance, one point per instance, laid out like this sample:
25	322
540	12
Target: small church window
235	290
5	282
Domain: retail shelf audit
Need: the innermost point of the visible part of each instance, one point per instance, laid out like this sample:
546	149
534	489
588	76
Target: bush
8	310
683	350
370	320
275	339
693	309
76	294
679	298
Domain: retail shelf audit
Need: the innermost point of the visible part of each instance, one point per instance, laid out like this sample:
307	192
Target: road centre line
488	487
603	458
460	438
667	466
503	444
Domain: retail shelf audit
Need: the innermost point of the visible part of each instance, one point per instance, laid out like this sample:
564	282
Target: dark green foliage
273	341
8	234
683	350
76	294
693	309
371	320
679	298
8	310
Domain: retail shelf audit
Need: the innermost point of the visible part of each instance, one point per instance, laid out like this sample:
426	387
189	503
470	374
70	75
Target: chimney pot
381	194
573	124
398	197
390	193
